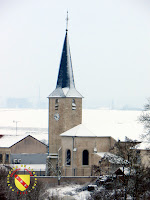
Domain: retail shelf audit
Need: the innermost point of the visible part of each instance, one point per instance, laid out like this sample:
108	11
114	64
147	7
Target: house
22	150
142	152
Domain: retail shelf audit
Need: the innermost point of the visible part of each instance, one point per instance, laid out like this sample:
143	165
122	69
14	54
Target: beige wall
103	144
29	145
68	119
95	159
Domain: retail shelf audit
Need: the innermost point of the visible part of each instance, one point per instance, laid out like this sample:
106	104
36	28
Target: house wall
28	145
3	152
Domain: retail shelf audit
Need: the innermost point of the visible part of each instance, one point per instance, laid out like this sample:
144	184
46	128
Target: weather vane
67	22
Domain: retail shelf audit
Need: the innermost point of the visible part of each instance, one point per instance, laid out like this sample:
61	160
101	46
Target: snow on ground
30	122
115	123
70	190
26	117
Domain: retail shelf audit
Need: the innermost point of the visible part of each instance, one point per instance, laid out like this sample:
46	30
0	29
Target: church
79	142
73	148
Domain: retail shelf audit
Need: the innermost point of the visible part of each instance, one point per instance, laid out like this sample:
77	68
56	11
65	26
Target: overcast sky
109	41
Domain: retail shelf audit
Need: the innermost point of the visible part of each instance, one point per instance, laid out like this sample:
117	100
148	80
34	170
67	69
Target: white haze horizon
109	43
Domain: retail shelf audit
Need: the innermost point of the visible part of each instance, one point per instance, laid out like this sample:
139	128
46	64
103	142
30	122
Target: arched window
85	157
56	104
68	157
73	104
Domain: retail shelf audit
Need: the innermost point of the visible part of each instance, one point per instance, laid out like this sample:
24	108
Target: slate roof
65	86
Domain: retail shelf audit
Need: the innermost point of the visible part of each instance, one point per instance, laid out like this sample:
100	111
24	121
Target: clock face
56	116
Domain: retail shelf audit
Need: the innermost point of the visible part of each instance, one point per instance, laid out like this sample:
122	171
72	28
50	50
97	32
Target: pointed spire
65	86
65	75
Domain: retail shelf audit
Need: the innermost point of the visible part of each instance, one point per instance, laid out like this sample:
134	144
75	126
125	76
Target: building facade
22	150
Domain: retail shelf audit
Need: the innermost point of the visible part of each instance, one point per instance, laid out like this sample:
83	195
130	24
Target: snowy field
30	122
69	192
115	123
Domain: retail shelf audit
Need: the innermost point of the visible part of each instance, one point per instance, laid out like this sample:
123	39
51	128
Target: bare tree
133	181
145	120
7	193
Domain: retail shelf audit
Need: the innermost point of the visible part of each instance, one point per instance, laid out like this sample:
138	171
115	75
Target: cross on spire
67	19
65	86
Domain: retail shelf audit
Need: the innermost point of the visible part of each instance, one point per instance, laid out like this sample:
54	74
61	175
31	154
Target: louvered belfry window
56	104
73	104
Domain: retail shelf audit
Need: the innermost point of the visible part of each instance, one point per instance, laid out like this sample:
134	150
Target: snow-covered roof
127	170
142	146
10	140
65	92
65	83
112	158
78	131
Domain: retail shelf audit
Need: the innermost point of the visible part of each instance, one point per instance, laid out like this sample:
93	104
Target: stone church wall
77	145
68	118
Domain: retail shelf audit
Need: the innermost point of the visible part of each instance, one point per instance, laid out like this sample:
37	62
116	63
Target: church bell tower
65	102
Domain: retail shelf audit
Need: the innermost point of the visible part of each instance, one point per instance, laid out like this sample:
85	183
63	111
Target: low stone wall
53	180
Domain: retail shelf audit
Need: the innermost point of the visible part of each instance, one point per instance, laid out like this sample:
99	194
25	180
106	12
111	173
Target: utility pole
16	125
